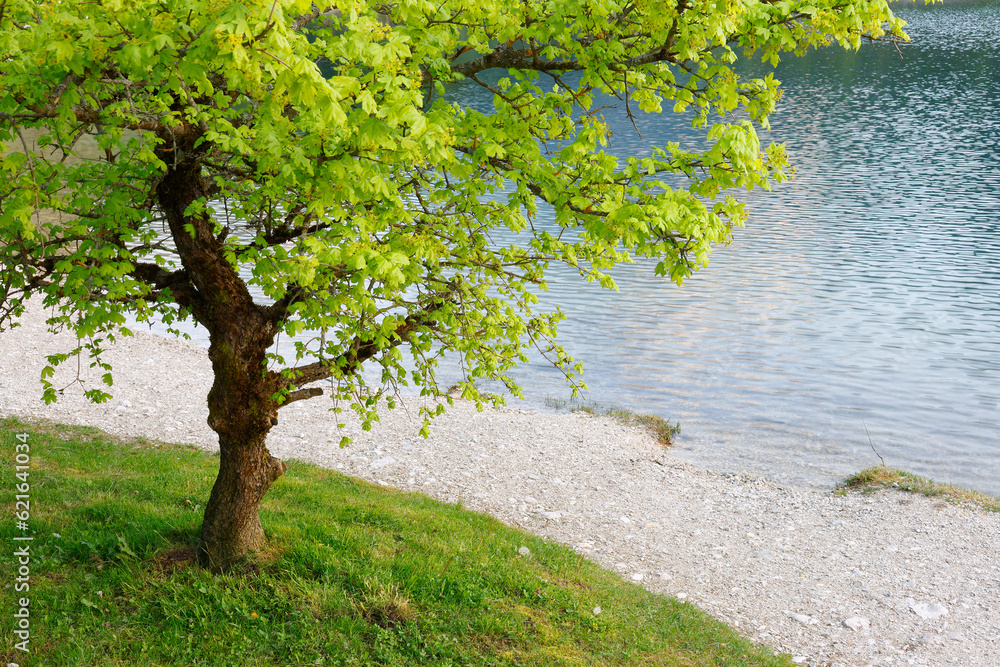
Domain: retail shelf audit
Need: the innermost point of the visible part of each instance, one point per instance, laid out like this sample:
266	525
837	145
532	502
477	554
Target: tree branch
178	282
360	352
301	395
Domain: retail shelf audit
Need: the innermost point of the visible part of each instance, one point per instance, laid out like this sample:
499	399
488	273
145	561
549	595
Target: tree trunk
231	530
241	410
240	405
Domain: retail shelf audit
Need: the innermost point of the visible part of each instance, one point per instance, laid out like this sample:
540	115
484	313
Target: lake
863	293
866	291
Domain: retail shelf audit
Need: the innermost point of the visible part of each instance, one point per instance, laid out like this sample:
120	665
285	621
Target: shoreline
790	567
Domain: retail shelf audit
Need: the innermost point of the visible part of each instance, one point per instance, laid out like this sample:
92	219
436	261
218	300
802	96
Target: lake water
866	291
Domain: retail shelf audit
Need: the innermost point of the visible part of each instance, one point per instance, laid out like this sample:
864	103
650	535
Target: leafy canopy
349	178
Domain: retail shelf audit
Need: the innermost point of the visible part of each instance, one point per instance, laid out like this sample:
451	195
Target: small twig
266	52
270	23
628	108
31	167
872	443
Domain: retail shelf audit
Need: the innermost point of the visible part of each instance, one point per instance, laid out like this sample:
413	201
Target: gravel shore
881	579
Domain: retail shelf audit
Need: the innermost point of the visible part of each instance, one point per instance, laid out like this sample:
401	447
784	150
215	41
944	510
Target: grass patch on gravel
661	429
355	573
879	477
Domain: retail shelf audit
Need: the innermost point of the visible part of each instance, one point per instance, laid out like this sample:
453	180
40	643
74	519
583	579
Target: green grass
661	429
880	477
355	574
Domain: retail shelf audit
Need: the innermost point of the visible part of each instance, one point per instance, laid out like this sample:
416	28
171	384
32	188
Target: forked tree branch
361	351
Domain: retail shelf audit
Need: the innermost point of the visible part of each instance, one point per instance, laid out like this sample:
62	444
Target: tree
323	150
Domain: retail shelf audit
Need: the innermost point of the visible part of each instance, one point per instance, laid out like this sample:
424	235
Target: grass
355	574
880	477
661	429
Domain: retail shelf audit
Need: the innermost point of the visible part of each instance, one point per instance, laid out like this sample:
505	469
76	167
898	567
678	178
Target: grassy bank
881	477
356	574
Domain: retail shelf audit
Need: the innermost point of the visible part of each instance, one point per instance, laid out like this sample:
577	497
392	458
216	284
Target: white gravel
885	579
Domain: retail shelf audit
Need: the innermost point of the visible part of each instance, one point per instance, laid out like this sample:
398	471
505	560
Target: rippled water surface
865	291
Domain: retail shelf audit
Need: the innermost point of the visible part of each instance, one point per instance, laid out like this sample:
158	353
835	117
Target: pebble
929	611
856	623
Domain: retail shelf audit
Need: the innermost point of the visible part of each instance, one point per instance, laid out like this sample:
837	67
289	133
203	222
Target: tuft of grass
555	403
354	573
385	605
879	477
662	430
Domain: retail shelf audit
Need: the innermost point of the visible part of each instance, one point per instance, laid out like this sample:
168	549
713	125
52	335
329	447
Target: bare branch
301	395
361	350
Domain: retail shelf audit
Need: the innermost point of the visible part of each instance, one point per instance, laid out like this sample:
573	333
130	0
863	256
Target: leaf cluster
351	182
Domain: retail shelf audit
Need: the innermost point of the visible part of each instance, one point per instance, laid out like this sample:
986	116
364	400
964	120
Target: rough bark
241	412
231	530
240	404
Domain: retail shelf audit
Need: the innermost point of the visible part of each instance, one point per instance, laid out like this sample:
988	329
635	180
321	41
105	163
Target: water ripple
866	288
